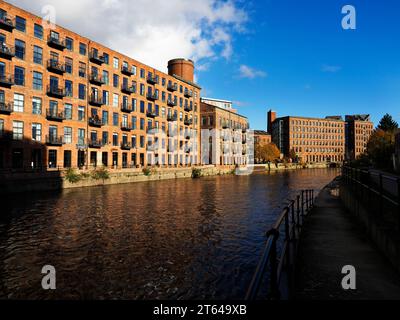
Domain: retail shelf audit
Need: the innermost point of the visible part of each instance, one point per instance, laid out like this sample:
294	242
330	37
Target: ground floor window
104	159
67	159
36	159
133	159
93	158
17	158
52	159
124	160
115	158
81	158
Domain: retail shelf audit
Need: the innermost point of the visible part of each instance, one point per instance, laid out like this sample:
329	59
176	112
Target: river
172	239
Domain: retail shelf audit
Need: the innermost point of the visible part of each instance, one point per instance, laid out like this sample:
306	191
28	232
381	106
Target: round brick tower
183	68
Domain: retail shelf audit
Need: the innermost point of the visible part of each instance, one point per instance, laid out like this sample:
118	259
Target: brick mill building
225	135
262	137
320	139
68	101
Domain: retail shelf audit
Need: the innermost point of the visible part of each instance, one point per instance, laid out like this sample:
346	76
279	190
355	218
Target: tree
267	152
293	155
380	148
387	123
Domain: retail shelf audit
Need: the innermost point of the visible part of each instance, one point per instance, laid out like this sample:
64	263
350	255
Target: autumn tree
267	152
380	148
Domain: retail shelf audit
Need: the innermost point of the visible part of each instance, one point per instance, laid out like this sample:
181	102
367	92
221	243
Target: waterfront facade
358	131
67	101
225	135
261	137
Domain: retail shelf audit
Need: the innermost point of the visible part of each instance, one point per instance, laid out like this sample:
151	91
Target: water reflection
178	239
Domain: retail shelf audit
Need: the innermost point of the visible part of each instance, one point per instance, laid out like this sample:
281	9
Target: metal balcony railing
6	108
55	91
6	80
172	87
55	115
54	140
96	79
7	22
6	51
96	100
55	66
95	122
95	58
56	43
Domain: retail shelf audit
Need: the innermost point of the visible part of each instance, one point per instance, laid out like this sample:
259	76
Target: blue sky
308	65
289	55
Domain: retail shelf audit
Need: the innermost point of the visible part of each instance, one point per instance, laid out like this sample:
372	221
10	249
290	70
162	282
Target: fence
280	262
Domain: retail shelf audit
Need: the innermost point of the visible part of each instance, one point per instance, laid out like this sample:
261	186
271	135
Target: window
81	113
104	117
38	31
67	135
106	98
82	49
37	81
69	88
116	63
20	49
18	130
82	70
106	58
38	55
82	91
142	89
20	24
36	132
115	100
36	105
69	65
142	73
134	120
106	77
134	70
104	138
68	111
115	119
115	139
19	76
115	81
69	44
142	106
142	124
1	128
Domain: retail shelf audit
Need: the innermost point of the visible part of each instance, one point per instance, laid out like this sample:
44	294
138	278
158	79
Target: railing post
274	270
380	194
398	202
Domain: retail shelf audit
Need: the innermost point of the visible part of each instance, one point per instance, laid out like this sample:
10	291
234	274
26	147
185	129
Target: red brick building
67	101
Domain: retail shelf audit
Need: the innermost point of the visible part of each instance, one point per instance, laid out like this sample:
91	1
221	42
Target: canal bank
331	239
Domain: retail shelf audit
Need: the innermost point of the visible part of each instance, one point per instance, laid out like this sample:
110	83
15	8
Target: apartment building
224	133
329	139
358	131
262	137
68	101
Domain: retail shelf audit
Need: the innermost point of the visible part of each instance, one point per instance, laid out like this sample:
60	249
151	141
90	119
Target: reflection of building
358	131
223	133
329	139
89	104
397	151
261	137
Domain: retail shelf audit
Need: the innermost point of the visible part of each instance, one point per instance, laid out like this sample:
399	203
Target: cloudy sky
289	55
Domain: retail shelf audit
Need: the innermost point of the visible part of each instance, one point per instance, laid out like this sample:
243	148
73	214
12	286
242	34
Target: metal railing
289	225
379	192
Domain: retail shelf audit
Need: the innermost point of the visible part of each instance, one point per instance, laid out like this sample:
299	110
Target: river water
172	239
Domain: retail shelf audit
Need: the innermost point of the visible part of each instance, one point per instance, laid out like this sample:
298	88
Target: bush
196	173
100	174
72	176
147	171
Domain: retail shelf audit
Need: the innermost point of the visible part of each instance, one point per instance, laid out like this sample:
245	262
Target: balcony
172	87
95	58
96	144
225	125
126	127
55	66
6	108
151	114
152	79
127	89
152	96
127	108
56	92
152	130
188	122
54	115
6	80
53	140
56	43
171	118
171	103
188	108
95	122
95	100
6	51
126	146
96	79
188	94
7	23
126	71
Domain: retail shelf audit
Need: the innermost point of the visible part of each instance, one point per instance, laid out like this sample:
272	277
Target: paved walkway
332	239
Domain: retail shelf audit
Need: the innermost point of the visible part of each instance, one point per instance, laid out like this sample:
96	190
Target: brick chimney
271	119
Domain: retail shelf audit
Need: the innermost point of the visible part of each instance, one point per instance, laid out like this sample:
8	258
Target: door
53	159
17	158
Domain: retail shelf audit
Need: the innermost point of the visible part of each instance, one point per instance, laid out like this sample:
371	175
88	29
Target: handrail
291	220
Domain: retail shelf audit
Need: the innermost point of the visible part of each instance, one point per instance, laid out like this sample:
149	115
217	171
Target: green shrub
100	174
196	173
147	171
72	176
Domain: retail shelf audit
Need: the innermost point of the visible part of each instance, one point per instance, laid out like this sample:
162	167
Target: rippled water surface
175	239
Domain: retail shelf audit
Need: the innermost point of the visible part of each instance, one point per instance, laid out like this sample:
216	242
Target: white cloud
332	69
250	73
152	31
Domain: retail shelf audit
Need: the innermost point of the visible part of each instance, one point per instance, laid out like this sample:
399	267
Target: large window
69	65
36	105
115	119
36	132
82	70
106	98
20	24
116	63
69	88
37	80
106	58
18	130
38	31
68	111
37	55
82	49
20	49
18	102
69	43
104	117
115	100
19	76
67	135
81	113
82	91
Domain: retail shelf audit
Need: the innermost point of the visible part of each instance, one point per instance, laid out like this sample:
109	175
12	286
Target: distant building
358	131
226	142
262	137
